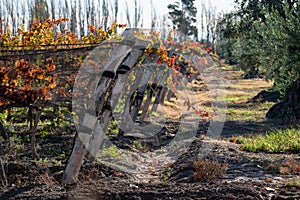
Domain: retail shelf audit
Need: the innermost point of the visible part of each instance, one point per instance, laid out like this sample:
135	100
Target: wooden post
151	88
140	94
161	93
89	121
106	115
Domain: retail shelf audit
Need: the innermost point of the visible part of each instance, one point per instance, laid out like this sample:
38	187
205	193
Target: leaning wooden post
90	134
129	115
106	115
140	93
151	89
160	95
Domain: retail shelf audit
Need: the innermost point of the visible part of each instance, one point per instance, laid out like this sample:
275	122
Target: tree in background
99	13
40	10
153	17
276	41
234	34
263	37
183	15
208	26
235	29
226	37
137	14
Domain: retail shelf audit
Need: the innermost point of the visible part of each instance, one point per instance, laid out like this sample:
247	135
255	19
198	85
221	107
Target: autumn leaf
5	77
121	25
159	62
48	97
40	76
44	90
50	67
52	85
206	114
17	63
198	112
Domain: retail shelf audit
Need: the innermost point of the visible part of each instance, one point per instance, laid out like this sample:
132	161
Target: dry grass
294	182
248	84
47	179
208	170
287	167
234	93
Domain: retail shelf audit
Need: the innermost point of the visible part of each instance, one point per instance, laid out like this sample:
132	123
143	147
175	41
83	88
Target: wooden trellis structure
63	72
94	120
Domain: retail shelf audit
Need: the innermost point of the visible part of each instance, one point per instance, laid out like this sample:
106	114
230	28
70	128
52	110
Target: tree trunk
287	110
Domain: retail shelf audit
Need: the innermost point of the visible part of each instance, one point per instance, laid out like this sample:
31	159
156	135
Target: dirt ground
247	175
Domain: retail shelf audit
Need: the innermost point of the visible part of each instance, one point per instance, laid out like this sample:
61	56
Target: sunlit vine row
25	79
178	59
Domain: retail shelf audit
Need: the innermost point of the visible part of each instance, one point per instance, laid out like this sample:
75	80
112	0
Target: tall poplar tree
40	10
183	15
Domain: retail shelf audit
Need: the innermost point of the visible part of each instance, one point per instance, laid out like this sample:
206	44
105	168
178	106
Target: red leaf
197	112
206	114
159	62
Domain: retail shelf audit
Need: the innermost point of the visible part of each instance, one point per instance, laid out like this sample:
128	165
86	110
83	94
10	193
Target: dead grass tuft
208	170
287	167
47	179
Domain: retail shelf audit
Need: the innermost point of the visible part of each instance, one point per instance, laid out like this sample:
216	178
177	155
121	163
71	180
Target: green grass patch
233	97
238	114
295	182
248	111
227	67
276	141
111	152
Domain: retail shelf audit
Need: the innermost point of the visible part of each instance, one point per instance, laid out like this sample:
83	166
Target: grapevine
177	61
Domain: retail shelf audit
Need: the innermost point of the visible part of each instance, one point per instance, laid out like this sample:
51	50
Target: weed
113	128
111	151
1	139
208	170
48	162
166	176
276	141
138	145
295	182
247	114
234	97
16	144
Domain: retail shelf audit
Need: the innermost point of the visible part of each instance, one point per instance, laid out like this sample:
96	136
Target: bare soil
247	176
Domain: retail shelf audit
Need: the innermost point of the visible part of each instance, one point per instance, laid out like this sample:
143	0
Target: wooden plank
140	93
94	140
111	102
160	95
151	88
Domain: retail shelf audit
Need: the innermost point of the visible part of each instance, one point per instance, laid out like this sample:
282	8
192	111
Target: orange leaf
5	77
40	76
44	90
17	63
51	67
48	97
121	25
52	85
